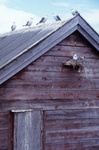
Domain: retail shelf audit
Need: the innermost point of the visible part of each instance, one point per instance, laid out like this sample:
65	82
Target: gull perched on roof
43	20
56	17
74	12
13	27
75	57
29	23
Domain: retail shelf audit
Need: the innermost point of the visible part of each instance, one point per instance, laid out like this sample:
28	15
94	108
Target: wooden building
45	105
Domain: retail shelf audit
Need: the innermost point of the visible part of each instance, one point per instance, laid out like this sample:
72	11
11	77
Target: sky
20	11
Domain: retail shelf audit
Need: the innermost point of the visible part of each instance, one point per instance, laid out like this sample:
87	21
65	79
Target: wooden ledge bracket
74	64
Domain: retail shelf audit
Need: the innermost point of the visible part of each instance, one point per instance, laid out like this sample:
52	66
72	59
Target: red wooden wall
70	99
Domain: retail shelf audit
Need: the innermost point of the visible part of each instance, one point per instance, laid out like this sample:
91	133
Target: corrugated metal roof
15	43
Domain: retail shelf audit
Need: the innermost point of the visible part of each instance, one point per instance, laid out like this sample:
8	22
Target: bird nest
74	64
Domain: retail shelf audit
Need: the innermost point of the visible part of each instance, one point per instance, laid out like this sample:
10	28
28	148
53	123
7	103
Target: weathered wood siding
70	99
72	129
6	127
46	78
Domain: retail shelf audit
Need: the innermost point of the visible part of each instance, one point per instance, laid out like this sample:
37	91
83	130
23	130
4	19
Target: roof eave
88	37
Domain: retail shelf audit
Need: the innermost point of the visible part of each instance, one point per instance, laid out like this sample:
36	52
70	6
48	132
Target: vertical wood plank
27	130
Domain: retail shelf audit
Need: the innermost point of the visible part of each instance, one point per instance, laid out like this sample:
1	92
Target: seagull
75	62
29	23
75	57
13	27
74	12
43	20
56	17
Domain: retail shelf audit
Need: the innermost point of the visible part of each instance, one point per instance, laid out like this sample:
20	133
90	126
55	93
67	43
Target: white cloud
60	4
92	17
3	1
10	15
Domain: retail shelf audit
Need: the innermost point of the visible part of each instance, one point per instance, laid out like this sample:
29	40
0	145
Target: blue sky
21	10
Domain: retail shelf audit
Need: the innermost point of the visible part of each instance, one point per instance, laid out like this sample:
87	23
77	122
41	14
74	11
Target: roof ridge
32	27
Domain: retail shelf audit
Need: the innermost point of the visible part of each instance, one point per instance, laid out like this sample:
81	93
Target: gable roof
19	48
